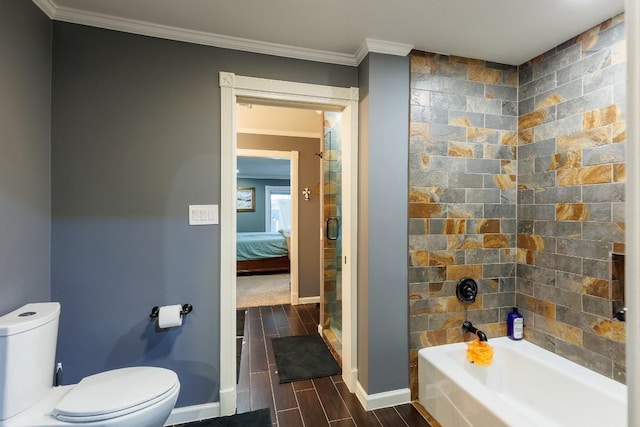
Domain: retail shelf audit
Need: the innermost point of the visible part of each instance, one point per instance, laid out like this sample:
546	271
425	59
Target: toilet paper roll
170	316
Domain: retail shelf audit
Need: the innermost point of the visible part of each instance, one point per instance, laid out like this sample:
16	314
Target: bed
261	253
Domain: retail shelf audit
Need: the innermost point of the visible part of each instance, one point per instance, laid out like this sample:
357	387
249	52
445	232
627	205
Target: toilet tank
28	339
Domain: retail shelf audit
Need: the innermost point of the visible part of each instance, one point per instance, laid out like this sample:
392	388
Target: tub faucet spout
468	327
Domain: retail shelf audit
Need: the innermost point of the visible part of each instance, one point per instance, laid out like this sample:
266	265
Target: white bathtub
525	386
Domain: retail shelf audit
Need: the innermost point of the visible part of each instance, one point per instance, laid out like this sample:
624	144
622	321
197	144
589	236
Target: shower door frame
277	92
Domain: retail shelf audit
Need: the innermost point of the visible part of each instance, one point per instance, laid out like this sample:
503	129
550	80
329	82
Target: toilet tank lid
28	317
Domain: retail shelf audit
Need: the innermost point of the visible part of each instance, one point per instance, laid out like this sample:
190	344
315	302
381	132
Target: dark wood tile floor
309	403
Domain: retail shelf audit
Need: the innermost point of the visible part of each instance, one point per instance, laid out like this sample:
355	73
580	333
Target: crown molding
47	6
381	46
110	22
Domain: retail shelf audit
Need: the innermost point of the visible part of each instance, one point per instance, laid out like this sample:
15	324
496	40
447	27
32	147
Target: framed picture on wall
246	199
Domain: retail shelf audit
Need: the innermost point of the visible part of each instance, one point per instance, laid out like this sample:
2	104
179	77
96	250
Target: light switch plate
203	214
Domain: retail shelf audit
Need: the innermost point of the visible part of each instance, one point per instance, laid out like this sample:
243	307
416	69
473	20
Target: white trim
381	46
309	300
278	132
47	6
234	88
134	26
187	414
632	208
371	402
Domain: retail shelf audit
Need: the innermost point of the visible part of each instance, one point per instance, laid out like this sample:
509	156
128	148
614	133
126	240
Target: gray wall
136	138
383	352
308	211
255	221
25	154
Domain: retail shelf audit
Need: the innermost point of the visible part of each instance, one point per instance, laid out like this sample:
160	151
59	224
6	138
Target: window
278	208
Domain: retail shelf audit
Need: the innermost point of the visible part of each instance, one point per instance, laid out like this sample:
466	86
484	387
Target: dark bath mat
302	357
259	418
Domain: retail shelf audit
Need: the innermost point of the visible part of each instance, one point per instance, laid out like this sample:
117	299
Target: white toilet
129	397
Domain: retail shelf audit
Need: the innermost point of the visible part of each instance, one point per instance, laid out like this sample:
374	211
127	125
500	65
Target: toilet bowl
140	396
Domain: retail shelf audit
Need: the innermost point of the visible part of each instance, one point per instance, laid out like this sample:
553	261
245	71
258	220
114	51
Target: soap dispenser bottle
515	325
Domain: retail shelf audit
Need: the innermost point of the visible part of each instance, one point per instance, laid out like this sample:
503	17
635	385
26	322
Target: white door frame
277	92
293	179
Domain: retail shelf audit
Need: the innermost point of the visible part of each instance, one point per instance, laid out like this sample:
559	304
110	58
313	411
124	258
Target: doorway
236	89
267	173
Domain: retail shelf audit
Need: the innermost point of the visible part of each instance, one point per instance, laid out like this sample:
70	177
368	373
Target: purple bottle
515	325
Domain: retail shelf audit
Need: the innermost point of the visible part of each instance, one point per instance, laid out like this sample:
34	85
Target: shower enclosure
331	306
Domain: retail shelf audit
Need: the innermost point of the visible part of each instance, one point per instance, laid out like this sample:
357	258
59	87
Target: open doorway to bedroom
265	224
286	214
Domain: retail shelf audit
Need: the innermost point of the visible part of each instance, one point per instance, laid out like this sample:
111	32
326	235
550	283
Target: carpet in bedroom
262	289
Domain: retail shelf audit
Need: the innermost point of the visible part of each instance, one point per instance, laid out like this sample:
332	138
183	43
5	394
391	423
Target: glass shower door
332	235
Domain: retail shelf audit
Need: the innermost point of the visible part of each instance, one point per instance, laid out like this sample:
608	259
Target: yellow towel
480	352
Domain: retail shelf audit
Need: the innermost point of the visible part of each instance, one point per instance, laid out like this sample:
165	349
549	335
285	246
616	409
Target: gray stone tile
561	297
509	108
499	211
600	212
596	268
464	180
537	149
432	242
604	154
552	195
482	256
603	193
558	61
591	101
604	232
464	210
420	98
607	38
584	357
562	93
483	196
597	306
618	212
479	166
603	78
449	101
417	226
462	118
526	106
537	212
537	87
484	105
588	65
583	248
498	300
525	74
562	126
429	115
446	132
538	180
611	349
448	164
501	122
505	93
423	178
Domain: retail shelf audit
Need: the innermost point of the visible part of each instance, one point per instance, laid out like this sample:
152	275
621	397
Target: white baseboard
188	414
309	300
382	400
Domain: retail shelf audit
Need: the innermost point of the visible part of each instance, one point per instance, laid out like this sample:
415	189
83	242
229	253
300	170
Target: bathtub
525	386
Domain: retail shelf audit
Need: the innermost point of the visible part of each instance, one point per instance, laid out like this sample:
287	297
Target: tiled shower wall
462	196
544	243
571	174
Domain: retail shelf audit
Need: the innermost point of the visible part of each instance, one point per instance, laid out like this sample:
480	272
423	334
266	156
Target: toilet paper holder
186	309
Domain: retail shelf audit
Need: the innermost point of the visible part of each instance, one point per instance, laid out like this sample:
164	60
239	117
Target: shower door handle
333	225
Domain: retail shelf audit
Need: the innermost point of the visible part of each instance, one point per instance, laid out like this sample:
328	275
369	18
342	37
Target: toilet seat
115	393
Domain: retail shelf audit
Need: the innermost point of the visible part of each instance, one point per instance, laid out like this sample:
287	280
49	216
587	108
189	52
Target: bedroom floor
318	402
263	290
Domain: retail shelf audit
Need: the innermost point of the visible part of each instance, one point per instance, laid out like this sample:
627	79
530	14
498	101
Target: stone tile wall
516	179
571	175
462	196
